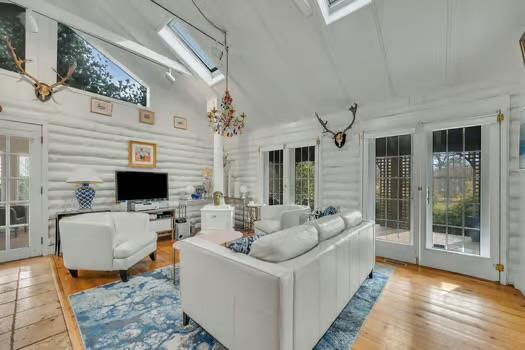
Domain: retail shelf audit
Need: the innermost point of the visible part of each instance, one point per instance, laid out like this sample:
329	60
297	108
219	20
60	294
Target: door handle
428	195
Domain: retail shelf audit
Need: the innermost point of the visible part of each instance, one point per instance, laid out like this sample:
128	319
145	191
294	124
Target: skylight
333	10
182	32
177	35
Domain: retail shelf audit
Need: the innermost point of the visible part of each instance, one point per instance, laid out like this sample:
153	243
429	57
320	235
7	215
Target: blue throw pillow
244	245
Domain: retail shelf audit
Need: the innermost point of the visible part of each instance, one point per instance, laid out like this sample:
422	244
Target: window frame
116	62
340	8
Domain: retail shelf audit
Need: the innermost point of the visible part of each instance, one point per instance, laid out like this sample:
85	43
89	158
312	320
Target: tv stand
162	221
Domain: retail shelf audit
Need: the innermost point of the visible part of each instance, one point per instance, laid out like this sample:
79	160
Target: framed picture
146	117
142	154
522	139
101	107
180	123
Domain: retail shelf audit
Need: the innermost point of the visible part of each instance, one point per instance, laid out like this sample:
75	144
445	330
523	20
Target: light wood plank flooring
30	311
420	308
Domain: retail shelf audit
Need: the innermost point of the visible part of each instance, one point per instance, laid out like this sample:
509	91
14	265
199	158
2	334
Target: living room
290	174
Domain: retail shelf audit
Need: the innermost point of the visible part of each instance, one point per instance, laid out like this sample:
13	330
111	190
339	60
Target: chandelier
223	121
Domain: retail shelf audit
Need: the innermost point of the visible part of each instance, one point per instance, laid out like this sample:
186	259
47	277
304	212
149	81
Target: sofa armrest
291	218
87	245
243	302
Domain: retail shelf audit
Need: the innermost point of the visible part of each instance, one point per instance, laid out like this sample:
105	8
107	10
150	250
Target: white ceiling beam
99	32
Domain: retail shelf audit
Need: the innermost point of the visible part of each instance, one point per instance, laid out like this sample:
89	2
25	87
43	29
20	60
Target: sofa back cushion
352	218
329	226
286	244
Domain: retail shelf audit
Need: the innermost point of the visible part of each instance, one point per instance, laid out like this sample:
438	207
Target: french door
21	228
289	174
434	194
461	199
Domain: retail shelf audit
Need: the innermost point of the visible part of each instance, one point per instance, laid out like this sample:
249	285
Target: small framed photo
101	107
142	154
146	117
180	123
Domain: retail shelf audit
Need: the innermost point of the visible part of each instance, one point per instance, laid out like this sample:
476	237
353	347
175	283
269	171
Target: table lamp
84	193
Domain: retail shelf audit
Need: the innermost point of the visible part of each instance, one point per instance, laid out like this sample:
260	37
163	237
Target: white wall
78	137
340	180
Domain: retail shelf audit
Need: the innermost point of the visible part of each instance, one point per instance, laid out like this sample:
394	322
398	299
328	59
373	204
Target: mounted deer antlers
340	136
43	91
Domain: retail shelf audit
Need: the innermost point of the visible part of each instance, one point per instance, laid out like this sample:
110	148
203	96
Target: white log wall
340	170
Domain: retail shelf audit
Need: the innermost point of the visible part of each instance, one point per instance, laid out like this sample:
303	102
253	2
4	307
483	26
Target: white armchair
279	217
112	241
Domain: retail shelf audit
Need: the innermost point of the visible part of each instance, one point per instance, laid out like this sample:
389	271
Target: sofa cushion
243	245
286	244
329	226
268	226
131	246
351	218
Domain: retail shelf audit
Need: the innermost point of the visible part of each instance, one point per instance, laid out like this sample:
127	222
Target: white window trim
187	55
338	11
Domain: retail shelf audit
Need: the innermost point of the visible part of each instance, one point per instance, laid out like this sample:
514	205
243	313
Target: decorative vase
85	195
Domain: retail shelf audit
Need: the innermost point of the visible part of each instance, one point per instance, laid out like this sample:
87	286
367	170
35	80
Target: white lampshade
243	189
83	175
189	189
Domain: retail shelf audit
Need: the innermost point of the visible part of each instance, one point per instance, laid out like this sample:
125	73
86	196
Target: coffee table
220	237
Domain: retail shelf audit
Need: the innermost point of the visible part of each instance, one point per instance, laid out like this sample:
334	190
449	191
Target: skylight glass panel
182	32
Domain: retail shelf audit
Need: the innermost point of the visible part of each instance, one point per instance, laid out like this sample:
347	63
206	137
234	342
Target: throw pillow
243	245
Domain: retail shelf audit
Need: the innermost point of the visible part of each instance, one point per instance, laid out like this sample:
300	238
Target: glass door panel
303	176
456	189
273	179
393	165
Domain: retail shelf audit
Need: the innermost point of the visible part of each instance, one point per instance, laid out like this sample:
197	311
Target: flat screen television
139	186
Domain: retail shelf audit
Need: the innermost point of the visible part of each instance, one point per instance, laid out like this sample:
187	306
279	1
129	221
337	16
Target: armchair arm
88	241
291	218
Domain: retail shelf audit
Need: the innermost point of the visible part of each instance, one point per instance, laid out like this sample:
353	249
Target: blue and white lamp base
85	195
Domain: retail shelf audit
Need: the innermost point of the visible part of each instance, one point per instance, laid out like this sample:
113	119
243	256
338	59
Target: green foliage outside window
11	28
305	183
95	72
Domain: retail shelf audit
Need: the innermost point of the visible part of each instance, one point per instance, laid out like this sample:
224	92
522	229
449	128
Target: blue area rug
145	313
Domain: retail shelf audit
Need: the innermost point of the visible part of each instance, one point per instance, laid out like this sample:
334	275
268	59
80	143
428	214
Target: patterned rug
145	313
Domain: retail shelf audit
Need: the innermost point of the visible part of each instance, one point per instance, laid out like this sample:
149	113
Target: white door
460	197
21	228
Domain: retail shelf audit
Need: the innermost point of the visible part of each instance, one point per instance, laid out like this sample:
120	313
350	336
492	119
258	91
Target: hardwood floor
420	308
30	310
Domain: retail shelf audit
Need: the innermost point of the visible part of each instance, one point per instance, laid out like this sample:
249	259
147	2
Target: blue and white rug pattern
145	313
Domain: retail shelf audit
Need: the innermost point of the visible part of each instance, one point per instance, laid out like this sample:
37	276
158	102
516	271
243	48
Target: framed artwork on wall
142	154
101	107
180	123
146	117
522	140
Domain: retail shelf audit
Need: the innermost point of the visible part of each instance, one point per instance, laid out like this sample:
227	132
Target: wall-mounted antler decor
43	91
340	136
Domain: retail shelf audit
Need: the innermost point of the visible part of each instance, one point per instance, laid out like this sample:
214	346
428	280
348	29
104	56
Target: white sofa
247	303
279	217
112	241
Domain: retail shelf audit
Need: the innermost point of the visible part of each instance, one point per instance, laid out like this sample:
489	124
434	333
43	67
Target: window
183	40
456	189
333	10
179	28
12	20
275	177
393	181
304	176
95	72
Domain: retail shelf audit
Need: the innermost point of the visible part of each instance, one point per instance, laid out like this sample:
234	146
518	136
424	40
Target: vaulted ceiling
284	65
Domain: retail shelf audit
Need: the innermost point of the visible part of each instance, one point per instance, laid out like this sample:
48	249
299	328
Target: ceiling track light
170	77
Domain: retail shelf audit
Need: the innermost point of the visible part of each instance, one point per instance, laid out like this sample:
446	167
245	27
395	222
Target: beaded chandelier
224	121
